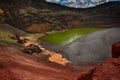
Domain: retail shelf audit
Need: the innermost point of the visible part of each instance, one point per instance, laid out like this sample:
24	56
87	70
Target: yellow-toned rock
57	58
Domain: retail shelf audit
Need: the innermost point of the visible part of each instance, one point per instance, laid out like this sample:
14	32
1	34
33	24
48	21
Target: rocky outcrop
108	70
32	49
92	48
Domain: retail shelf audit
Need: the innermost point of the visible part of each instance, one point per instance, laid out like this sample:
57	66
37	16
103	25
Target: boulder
32	48
116	50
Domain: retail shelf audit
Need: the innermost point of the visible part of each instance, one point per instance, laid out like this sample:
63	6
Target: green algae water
68	36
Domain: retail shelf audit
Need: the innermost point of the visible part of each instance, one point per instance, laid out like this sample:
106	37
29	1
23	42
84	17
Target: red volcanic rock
108	70
5	74
39	27
116	50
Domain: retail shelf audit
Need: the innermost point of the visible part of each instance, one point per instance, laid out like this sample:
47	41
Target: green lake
68	36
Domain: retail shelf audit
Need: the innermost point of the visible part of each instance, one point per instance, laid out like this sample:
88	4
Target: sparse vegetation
7	33
6	37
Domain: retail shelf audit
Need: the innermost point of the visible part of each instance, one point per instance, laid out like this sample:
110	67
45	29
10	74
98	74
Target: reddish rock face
74	23
116	50
39	27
